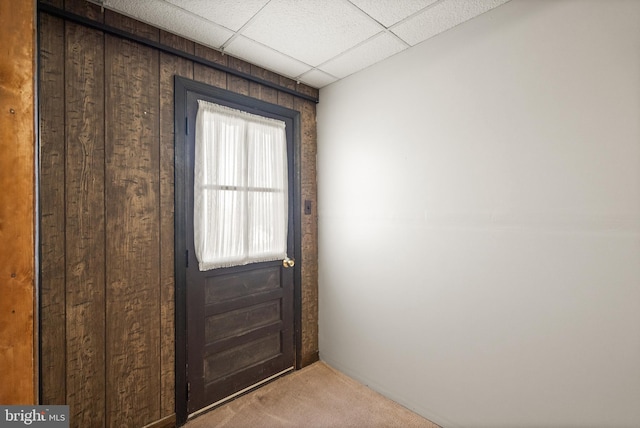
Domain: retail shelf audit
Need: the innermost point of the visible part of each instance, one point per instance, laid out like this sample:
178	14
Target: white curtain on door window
240	188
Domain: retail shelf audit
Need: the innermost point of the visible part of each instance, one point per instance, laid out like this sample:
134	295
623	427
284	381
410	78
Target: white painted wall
479	215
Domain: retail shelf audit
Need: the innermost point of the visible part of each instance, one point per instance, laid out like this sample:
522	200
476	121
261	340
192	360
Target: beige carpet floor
316	397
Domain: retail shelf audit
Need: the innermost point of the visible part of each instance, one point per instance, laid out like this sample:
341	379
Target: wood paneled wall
106	135
17	203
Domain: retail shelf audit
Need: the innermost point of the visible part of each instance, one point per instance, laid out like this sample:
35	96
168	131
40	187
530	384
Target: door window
240	187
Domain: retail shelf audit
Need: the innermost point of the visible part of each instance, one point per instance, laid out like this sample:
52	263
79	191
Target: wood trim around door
18	205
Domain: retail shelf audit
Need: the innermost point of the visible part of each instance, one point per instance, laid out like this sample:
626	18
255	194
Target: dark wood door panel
242	321
238	282
227	385
241	333
219	365
239	320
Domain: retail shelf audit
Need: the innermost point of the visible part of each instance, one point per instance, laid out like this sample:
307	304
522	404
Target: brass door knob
288	262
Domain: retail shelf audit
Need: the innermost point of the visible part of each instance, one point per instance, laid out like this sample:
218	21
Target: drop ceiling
315	42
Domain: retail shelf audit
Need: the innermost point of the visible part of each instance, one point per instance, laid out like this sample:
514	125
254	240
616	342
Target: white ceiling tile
231	14
173	19
317	78
318	40
263	56
391	11
441	17
312	31
373	50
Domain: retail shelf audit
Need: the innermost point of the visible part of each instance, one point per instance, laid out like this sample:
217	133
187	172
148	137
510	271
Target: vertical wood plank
85	239
169	66
284	99
261	92
309	232
131	25
177	42
84	8
208	75
235	83
132	226
307	90
18	371
133	213
52	213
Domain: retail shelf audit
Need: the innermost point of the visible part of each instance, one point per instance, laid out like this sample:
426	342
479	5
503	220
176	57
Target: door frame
182	87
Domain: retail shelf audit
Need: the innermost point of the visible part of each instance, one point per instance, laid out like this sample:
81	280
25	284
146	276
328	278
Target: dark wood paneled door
239	320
